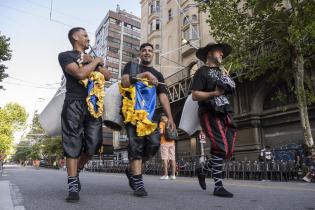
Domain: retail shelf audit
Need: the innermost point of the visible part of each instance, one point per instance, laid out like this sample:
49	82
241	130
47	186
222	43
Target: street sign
202	137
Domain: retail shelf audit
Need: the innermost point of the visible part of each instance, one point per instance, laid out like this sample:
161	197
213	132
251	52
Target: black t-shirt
160	88
204	80
75	90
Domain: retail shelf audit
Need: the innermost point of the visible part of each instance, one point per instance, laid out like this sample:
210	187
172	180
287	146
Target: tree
5	55
12	118
23	151
42	145
273	36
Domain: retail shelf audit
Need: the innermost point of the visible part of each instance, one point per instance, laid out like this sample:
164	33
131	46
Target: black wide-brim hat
202	52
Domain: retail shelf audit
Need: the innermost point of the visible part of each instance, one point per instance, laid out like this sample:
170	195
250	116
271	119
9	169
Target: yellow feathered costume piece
138	118
95	108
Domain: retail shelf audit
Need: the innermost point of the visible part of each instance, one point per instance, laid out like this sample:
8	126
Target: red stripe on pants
209	131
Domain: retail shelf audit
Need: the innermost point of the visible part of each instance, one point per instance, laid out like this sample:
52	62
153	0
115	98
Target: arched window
194	18
157	47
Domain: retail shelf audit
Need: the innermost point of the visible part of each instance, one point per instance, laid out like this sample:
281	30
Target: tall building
117	40
175	28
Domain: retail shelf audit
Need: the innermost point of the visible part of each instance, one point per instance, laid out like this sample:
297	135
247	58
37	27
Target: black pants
221	131
80	131
142	147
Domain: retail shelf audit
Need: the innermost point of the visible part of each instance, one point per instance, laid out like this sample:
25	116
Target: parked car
42	163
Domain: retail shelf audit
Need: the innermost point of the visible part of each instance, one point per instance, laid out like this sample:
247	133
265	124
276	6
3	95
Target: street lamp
187	42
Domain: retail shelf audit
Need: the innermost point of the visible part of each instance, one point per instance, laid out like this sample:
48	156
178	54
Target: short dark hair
72	31
145	45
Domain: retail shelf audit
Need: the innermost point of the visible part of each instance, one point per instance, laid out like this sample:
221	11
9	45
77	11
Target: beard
218	60
146	62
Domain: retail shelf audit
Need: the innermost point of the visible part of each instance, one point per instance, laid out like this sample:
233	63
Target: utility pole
121	47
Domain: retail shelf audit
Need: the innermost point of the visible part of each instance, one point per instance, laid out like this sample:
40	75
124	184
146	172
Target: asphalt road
45	189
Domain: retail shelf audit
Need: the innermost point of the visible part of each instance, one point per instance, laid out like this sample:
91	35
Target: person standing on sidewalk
81	130
167	149
140	85
210	88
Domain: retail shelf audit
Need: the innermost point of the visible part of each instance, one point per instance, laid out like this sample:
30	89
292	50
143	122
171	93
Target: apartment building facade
117	40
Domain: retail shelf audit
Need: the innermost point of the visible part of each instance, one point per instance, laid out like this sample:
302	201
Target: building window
113	50
170	14
191	32
154	25
186	20
151	8
154	7
194	32
157	6
157	24
157	47
186	34
194	18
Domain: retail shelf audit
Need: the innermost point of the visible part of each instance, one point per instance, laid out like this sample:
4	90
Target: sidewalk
5	198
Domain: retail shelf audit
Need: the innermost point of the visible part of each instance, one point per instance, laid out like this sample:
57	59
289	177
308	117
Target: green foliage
52	149
5	55
265	35
40	145
23	151
12	118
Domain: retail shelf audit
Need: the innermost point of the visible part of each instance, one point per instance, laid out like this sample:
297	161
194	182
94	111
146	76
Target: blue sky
36	41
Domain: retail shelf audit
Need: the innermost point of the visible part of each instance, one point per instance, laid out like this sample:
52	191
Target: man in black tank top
81	132
211	88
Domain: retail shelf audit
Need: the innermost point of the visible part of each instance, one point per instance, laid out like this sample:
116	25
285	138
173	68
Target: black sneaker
201	178
130	179
141	192
222	192
73	197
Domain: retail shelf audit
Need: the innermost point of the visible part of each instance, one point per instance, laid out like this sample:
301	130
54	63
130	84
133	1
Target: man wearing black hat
210	88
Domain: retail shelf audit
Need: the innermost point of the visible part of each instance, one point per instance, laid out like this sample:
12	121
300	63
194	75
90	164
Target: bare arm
107	74
167	108
203	96
82	73
125	79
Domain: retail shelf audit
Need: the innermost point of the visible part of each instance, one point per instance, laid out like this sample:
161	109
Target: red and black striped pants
221	131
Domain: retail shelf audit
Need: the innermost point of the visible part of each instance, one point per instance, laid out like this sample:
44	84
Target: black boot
141	192
201	178
73	197
130	179
222	192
